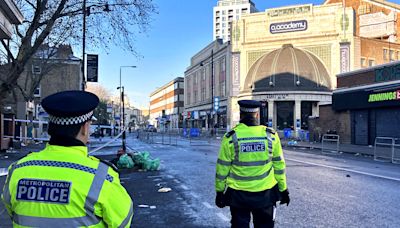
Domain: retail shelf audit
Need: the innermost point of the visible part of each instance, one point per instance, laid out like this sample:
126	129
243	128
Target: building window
37	92
36	69
223	18
237	11
392	55
385	54
217	13
223	25
223	12
363	62
371	62
230	12
237	17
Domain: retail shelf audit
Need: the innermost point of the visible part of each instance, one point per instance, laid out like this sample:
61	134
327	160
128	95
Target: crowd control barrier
387	149
330	143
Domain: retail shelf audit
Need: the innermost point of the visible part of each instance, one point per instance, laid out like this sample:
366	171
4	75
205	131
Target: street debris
125	162
292	143
145	162
347	175
164	190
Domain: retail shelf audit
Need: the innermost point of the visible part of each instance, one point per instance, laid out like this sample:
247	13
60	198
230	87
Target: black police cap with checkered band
249	105
70	107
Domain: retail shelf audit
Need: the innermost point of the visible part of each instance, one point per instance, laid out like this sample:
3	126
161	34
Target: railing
165	138
387	149
327	141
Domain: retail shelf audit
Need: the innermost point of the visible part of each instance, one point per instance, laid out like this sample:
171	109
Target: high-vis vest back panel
62	186
250	159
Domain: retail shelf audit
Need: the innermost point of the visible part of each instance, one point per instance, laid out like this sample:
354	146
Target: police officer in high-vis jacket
62	186
250	174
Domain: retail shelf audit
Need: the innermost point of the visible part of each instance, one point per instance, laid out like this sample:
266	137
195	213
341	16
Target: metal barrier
165	138
331	139
386	149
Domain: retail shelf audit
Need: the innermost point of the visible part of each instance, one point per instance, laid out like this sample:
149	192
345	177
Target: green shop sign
386	96
389	73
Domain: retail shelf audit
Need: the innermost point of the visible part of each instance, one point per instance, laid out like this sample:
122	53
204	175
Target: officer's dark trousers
262	217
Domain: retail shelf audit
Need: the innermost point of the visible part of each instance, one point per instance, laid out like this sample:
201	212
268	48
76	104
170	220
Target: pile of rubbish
292	143
140	160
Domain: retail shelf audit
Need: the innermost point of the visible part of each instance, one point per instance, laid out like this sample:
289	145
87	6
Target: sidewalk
345	148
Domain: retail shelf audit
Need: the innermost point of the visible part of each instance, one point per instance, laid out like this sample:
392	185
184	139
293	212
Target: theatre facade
288	57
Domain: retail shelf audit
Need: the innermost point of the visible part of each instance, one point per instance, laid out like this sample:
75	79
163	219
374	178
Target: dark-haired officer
61	186
250	174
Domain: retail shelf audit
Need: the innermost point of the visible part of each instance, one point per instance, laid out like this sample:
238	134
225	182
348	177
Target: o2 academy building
288	57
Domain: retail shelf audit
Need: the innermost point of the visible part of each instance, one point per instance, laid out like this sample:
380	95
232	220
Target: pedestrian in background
62	186
250	173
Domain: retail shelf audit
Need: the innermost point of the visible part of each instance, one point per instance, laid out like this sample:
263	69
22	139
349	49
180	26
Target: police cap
249	105
70	107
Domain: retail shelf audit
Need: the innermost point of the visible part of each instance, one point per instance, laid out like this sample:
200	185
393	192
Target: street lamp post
86	12
122	107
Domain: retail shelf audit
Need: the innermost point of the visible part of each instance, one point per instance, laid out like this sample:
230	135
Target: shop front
375	110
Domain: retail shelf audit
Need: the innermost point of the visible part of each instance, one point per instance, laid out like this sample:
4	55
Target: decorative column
271	122
297	115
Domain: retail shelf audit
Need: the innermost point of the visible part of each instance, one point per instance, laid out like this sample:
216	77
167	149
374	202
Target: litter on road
164	190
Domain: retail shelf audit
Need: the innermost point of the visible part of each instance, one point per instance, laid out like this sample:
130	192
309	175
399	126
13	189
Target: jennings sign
290	26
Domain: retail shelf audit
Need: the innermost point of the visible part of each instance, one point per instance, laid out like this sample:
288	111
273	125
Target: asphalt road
326	190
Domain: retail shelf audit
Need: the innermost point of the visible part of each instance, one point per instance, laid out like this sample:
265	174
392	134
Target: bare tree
55	22
103	93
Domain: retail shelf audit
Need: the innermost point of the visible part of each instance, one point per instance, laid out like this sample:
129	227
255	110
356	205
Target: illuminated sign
386	96
290	26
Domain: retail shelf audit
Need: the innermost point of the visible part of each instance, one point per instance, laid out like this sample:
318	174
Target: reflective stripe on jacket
63	186
250	159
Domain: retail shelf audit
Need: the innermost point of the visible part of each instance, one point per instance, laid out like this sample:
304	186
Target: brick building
166	105
208	87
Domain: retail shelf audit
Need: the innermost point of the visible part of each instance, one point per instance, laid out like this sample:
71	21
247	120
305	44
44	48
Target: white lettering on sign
291	26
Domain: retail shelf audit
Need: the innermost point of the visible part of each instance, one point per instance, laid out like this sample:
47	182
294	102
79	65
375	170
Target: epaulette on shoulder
270	130
110	164
230	133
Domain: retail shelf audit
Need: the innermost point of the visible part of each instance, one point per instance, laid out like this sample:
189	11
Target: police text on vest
43	191
252	147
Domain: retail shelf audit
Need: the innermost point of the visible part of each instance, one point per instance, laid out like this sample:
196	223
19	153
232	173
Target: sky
179	30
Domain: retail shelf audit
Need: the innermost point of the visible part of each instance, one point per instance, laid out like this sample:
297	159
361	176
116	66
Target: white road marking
184	187
344	169
207	205
154	176
223	217
194	195
177	181
170	176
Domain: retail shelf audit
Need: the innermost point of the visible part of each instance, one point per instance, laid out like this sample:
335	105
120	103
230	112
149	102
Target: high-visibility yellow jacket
250	159
64	187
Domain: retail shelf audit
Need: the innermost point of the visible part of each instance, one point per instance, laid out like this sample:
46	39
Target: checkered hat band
243	109
70	120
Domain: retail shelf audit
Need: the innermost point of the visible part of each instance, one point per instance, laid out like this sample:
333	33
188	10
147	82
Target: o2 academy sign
290	26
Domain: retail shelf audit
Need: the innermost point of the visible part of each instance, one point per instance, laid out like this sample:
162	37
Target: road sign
92	68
